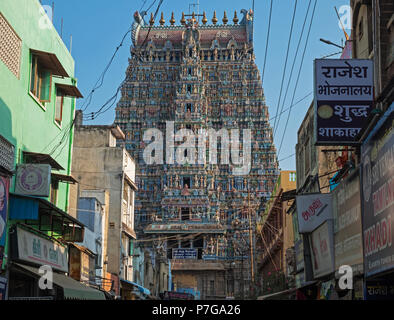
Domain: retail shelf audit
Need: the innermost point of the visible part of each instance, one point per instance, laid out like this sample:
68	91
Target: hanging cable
285	66
293	65
267	42
298	77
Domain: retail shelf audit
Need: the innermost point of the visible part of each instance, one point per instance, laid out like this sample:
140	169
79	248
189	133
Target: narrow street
166	150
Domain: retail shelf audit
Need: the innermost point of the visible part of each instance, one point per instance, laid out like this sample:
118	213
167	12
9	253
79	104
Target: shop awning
40	213
72	289
64	178
69	90
276	294
41	158
140	288
50	62
131	183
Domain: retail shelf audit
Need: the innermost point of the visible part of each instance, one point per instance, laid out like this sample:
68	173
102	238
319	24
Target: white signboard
343	99
313	210
344	80
38	250
322	249
33	180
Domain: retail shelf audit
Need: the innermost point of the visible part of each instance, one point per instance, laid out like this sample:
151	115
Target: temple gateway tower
184	80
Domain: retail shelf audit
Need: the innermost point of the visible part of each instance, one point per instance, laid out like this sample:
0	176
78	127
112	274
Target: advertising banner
377	158
4	197
312	210
3	288
379	290
343	99
33	248
181	253
322	249
347	223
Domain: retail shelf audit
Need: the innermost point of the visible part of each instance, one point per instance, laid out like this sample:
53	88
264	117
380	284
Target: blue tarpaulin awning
45	216
140	288
23	208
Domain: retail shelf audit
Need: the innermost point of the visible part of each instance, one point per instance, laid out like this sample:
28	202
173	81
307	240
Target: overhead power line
267	41
293	65
285	66
88	100
111	101
298	76
283	111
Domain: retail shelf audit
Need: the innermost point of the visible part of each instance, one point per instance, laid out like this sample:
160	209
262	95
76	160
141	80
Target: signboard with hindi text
343	99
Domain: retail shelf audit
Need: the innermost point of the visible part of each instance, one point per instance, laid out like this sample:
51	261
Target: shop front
7	151
315	223
133	291
82	264
348	234
38	267
377	158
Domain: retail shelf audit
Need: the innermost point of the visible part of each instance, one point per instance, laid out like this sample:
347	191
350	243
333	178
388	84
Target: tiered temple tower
195	77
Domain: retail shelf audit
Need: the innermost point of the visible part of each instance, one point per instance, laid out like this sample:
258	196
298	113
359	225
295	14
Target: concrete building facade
103	167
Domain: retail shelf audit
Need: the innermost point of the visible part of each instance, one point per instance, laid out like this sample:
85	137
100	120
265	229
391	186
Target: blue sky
98	26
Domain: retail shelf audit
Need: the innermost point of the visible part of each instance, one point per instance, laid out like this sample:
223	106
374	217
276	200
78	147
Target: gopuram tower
198	82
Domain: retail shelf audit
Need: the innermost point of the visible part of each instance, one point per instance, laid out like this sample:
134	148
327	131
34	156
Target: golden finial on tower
235	20
162	21
152	20
183	20
204	18
225	20
172	20
214	19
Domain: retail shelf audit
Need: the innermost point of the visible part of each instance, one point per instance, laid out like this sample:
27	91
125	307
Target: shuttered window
59	107
40	80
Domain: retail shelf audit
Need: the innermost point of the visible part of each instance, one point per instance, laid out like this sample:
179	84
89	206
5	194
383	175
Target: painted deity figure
185	190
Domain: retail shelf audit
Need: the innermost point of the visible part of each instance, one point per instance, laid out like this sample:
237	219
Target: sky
97	28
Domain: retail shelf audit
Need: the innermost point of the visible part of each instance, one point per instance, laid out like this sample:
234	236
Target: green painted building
37	105
37	88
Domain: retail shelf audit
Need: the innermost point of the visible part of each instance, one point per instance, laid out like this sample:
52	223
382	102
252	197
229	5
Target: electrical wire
268	251
285	66
298	77
137	55
283	111
294	62
267	42
292	155
97	85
